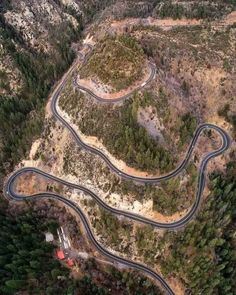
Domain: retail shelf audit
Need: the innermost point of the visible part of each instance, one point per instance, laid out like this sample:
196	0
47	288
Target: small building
49	237
63	239
60	254
70	262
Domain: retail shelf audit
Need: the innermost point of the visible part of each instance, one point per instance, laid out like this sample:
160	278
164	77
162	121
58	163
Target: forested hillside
194	9
150	131
35	50
203	255
21	110
26	261
121	133
28	265
209	10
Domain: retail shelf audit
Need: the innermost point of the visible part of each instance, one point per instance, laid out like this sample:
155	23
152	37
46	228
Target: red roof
60	254
70	262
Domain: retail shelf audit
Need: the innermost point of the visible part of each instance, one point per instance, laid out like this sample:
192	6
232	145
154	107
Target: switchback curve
10	194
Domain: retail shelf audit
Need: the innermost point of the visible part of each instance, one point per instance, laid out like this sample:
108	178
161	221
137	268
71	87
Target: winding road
9	188
113	100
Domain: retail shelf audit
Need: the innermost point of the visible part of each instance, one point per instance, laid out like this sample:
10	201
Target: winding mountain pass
9	188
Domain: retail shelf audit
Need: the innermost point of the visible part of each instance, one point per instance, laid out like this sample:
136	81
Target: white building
49	237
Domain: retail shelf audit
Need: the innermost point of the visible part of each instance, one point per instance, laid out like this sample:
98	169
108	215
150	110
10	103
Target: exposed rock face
41	26
33	25
149	120
35	19
9	74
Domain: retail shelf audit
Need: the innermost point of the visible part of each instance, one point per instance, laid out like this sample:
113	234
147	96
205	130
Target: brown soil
206	145
99	89
30	183
167	219
120	26
230	19
168	23
177	286
174	283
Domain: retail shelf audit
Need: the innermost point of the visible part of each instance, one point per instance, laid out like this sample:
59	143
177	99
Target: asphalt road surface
9	188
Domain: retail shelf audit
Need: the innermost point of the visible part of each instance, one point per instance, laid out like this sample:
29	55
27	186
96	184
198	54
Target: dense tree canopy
21	114
204	253
27	263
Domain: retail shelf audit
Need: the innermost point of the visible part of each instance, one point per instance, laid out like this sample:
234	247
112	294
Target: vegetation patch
228	115
26	260
209	10
99	174
21	113
204	254
116	61
118	129
175	194
169	196
194	9
28	266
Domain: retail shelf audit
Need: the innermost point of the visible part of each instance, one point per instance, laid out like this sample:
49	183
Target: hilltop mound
116	62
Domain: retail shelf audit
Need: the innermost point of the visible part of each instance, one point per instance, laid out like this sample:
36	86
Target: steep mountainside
202	9
36	40
133	82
